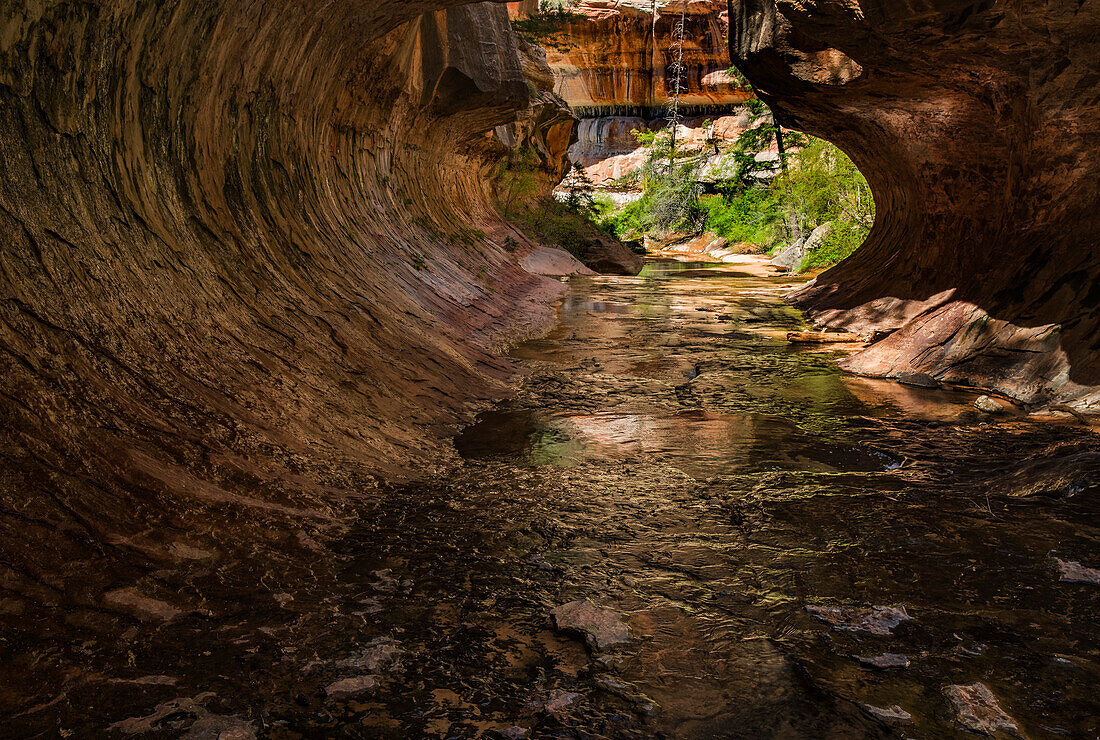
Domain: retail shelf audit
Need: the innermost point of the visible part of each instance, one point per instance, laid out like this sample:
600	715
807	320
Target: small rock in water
919	380
988	405
381	653
351	686
895	715
143	607
600	628
878	620
515	733
886	661
558	701
1074	572
978	711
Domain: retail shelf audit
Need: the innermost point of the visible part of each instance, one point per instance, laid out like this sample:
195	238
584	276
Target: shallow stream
671	458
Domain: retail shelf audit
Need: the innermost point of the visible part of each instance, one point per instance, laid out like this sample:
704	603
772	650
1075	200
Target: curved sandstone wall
976	125
248	262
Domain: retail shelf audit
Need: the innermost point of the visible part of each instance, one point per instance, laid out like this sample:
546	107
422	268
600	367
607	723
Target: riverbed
672	459
766	527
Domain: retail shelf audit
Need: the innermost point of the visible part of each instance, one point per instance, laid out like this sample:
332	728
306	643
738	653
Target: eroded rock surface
250	263
983	261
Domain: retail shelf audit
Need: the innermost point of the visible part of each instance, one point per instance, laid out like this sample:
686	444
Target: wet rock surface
707	509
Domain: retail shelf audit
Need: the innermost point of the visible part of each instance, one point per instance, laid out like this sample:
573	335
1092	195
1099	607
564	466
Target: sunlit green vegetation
764	202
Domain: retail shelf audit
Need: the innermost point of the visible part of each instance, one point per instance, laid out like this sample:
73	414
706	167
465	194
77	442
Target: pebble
558	701
988	405
1074	572
977	710
886	661
894	715
351	686
600	628
877	620
379	654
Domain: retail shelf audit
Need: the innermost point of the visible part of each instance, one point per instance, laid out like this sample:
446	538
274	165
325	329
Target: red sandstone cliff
613	63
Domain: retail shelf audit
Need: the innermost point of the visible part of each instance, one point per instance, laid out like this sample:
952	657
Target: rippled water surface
670	457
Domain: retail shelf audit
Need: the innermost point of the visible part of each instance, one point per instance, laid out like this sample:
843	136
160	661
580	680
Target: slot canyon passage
303	438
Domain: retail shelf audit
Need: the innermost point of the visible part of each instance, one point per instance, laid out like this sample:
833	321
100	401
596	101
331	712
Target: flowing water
671	458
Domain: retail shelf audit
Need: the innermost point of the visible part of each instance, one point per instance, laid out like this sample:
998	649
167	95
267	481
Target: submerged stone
886	661
351	686
894	715
600	628
977	710
557	701
1074	572
877	620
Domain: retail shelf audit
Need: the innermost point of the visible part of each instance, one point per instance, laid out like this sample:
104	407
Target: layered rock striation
250	261
975	124
614	63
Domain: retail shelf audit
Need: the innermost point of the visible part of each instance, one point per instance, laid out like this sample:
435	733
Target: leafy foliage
515	178
823	184
550	221
750	217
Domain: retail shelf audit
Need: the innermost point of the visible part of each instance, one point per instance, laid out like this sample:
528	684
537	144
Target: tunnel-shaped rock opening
255	272
982	262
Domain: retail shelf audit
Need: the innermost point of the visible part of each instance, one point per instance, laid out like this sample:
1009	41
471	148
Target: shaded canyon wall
249	262
976	125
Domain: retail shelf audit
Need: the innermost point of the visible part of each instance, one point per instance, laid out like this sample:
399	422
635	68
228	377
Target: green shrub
845	238
550	222
749	217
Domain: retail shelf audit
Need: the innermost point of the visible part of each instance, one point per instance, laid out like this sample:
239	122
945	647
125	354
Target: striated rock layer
976	126
249	261
613	63
617	56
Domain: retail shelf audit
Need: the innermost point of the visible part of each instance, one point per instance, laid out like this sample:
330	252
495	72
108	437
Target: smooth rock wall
249	263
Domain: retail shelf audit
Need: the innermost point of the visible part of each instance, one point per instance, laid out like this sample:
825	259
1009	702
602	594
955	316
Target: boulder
790	257
553	262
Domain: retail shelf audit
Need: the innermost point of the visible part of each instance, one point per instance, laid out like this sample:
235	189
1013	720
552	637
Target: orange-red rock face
621	55
249	261
975	124
614	64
